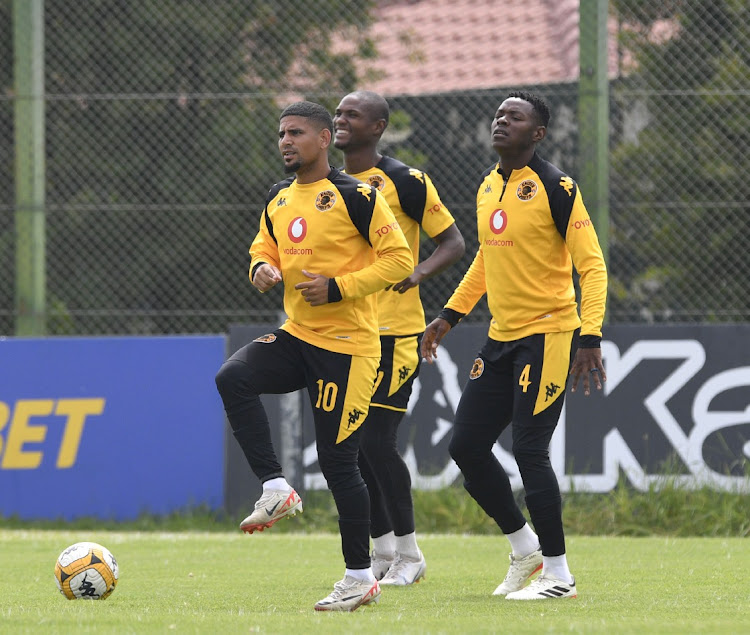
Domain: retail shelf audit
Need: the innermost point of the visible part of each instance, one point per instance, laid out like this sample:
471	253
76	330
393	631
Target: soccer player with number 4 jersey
533	228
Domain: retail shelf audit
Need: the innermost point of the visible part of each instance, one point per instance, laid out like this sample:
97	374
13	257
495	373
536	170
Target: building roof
436	46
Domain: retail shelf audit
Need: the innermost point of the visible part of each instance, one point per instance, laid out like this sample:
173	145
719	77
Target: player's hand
266	277
433	334
408	283
315	290
587	365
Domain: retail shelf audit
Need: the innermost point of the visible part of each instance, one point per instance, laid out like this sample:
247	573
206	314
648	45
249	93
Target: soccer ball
86	571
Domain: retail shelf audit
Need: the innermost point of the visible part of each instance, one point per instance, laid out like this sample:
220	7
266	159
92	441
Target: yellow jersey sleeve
471	288
263	249
583	244
436	217
393	259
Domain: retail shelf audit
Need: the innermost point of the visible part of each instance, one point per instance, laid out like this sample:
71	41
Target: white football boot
349	594
272	506
545	588
520	570
405	571
381	564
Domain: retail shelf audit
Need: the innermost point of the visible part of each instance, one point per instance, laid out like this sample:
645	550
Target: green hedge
669	511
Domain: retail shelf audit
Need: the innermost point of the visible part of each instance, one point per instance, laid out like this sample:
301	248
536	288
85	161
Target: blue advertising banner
109	427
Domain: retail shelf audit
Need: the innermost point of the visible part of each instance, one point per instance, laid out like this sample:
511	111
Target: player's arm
393	258
265	268
450	247
435	219
588	260
576	227
468	292
471	288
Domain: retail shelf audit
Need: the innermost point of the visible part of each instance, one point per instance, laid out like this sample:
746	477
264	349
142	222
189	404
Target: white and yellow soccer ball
86	571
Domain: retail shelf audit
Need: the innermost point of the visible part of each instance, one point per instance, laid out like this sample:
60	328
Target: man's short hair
540	107
309	110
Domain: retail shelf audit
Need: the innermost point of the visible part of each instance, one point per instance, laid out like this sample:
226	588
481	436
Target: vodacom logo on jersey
297	229
498	221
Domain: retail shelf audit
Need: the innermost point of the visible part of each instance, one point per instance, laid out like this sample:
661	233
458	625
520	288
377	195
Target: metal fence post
593	115
28	47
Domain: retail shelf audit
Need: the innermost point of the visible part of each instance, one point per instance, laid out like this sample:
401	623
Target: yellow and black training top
415	203
532	229
343	229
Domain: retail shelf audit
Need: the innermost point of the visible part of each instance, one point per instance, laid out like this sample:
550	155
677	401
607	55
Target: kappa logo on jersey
567	184
365	190
488	189
326	200
353	417
403	374
498	221
417	174
265	339
477	369
280	202
527	190
377	181
550	390
297	230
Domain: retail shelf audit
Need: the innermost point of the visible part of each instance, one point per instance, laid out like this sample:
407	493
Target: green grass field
198	582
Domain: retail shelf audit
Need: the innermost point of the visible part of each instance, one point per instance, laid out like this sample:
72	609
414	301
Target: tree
161	120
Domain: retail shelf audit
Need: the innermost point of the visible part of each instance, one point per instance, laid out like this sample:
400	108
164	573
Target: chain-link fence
161	119
680	154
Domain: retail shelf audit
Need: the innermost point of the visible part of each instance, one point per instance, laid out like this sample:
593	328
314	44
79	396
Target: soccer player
334	242
532	229
359	122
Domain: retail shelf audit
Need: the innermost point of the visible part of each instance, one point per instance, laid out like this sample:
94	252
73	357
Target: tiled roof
431	46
